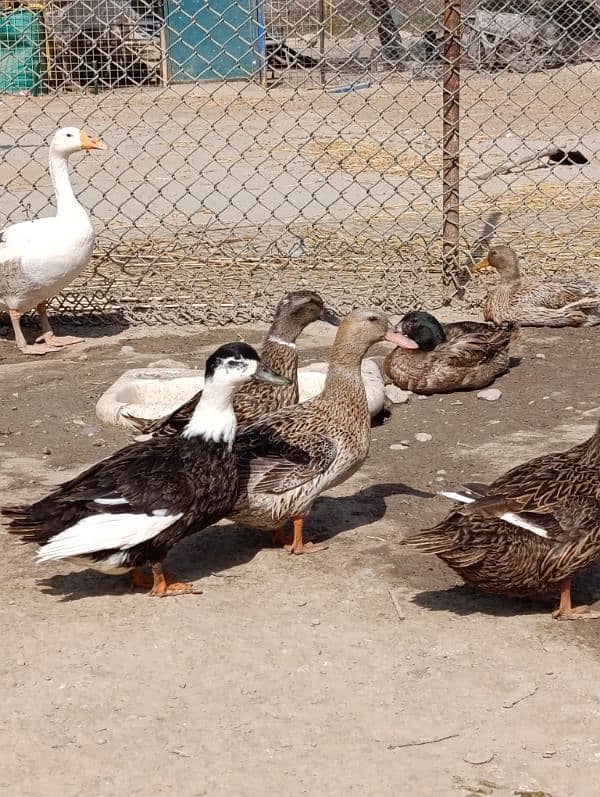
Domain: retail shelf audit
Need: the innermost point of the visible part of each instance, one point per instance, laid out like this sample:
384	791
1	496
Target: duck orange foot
163	585
298	545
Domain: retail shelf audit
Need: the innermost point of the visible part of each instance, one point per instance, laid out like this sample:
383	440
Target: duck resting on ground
288	458
528	532
294	313
130	509
39	258
457	356
570	302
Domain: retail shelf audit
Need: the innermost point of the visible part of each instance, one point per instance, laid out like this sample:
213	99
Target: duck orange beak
482	265
87	142
400	340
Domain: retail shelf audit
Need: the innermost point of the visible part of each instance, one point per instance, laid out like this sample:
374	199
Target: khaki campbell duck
39	258
460	356
291	456
571	302
294	313
530	531
131	508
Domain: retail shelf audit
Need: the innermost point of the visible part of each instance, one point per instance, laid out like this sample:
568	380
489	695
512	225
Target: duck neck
59	172
214	418
511	276
344	378
280	355
284	330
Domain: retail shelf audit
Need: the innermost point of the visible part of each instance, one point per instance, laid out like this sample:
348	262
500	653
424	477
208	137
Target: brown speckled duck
288	458
294	313
130	509
571	302
458	356
530	531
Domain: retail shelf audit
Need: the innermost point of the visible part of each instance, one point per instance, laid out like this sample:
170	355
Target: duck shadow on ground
464	600
217	549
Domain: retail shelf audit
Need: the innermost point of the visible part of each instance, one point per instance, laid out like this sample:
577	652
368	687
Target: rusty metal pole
451	55
322	24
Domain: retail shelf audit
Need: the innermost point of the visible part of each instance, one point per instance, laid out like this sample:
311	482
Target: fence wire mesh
260	145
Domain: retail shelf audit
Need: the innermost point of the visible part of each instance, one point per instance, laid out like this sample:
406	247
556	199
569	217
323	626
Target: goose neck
59	172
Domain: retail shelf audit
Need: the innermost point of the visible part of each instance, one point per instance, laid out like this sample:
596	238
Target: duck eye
372	318
69	135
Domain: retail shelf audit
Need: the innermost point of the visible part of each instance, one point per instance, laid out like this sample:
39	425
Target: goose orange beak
482	265
87	142
400	340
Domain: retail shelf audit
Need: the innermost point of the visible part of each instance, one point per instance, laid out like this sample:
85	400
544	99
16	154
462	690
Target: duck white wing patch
111	501
104	532
509	517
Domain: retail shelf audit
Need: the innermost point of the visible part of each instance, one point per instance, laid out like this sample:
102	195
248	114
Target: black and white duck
294	313
130	509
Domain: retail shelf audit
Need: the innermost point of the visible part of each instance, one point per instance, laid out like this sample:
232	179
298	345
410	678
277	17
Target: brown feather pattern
559	303
559	492
471	357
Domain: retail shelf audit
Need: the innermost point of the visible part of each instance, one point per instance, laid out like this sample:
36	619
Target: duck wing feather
143	478
470	343
282	452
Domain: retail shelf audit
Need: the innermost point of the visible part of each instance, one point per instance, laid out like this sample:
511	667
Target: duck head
226	370
504	260
360	329
68	140
296	311
234	364
423	328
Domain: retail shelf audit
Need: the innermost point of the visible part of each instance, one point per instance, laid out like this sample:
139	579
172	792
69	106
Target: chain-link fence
260	145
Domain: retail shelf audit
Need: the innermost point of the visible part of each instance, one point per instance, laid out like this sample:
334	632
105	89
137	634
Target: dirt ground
296	676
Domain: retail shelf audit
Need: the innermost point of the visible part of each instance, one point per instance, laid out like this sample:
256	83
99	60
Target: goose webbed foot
48	335
298	545
36	348
57	341
163	586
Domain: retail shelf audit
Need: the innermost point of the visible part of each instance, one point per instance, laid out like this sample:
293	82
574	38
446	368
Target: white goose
39	258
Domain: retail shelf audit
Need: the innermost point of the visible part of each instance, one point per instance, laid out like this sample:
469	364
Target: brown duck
570	302
530	531
459	356
288	458
294	312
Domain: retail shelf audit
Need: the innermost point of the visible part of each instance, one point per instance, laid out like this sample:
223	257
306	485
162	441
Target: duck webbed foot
566	611
298	545
163	586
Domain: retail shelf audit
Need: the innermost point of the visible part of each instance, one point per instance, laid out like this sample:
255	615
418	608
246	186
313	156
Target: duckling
528	532
571	302
458	356
288	458
294	313
131	508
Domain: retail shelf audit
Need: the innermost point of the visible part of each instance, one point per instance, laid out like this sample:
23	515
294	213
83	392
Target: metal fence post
451	141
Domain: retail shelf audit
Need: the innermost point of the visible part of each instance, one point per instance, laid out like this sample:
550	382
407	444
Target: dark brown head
296	311
423	328
504	260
